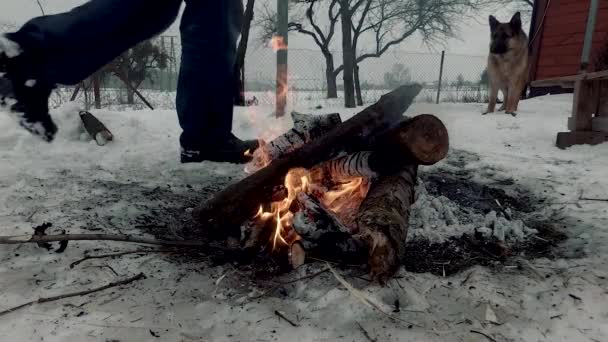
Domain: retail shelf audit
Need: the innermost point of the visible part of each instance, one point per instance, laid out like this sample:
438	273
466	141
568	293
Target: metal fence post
440	76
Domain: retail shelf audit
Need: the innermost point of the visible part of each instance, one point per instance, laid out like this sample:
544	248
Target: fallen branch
112	255
593	199
365	299
365	333
484	335
278	313
21	239
74	294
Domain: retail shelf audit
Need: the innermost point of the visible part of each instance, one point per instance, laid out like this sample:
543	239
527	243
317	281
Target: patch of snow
84	188
9	47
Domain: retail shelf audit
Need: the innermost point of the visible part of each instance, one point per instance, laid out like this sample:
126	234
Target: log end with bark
383	221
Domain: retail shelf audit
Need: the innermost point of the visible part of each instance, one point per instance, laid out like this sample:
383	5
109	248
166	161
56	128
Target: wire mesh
462	79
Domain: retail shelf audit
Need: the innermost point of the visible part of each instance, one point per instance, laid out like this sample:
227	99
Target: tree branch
74	294
310	17
21	239
41	8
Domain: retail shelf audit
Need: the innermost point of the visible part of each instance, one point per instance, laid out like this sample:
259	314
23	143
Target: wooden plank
598	75
567	139
586	100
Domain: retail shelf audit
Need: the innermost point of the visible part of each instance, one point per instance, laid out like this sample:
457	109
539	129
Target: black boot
26	97
228	150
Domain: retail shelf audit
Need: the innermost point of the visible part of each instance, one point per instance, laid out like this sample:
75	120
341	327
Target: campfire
328	188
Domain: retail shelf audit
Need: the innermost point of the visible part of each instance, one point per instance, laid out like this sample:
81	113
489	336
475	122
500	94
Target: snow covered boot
24	96
228	150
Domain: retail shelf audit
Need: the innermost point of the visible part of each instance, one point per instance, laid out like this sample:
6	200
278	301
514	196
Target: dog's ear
516	22
493	23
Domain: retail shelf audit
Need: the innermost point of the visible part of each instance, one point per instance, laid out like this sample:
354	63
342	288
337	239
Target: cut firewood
321	232
297	255
421	140
306	128
239	201
96	129
343	168
383	221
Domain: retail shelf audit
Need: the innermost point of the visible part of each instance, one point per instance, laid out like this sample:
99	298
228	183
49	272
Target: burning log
306	128
321	230
360	164
239	202
383	220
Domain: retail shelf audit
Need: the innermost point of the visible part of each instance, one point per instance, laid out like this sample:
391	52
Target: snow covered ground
136	185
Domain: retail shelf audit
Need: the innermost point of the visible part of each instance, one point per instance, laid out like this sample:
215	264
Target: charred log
321	232
306	128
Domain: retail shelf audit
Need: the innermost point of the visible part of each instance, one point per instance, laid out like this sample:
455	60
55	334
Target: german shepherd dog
507	63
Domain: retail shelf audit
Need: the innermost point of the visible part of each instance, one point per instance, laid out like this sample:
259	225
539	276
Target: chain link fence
462	77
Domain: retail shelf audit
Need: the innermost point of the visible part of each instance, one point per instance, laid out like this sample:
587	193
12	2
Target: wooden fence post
440	76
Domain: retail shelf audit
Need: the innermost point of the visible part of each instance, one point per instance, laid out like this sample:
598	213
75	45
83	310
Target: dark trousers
68	47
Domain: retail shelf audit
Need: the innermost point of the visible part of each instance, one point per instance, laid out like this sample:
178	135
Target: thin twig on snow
365	333
112	255
484	335
20	239
278	313
73	294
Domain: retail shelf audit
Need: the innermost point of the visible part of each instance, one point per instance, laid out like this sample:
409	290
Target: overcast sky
473	40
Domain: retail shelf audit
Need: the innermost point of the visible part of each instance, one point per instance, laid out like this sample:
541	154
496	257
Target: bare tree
348	52
387	23
307	23
391	22
136	65
239	65
41	8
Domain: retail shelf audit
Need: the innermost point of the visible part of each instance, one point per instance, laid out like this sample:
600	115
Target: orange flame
277	43
344	201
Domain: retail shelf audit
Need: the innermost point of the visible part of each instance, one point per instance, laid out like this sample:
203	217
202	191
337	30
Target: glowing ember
277	43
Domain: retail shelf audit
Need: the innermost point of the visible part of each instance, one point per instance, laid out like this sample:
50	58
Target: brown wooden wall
557	48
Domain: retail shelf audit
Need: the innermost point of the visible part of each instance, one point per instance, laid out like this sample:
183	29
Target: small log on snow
96	129
239	201
383	221
306	128
322	233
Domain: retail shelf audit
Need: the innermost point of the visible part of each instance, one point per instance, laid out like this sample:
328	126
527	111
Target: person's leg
68	47
209	32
